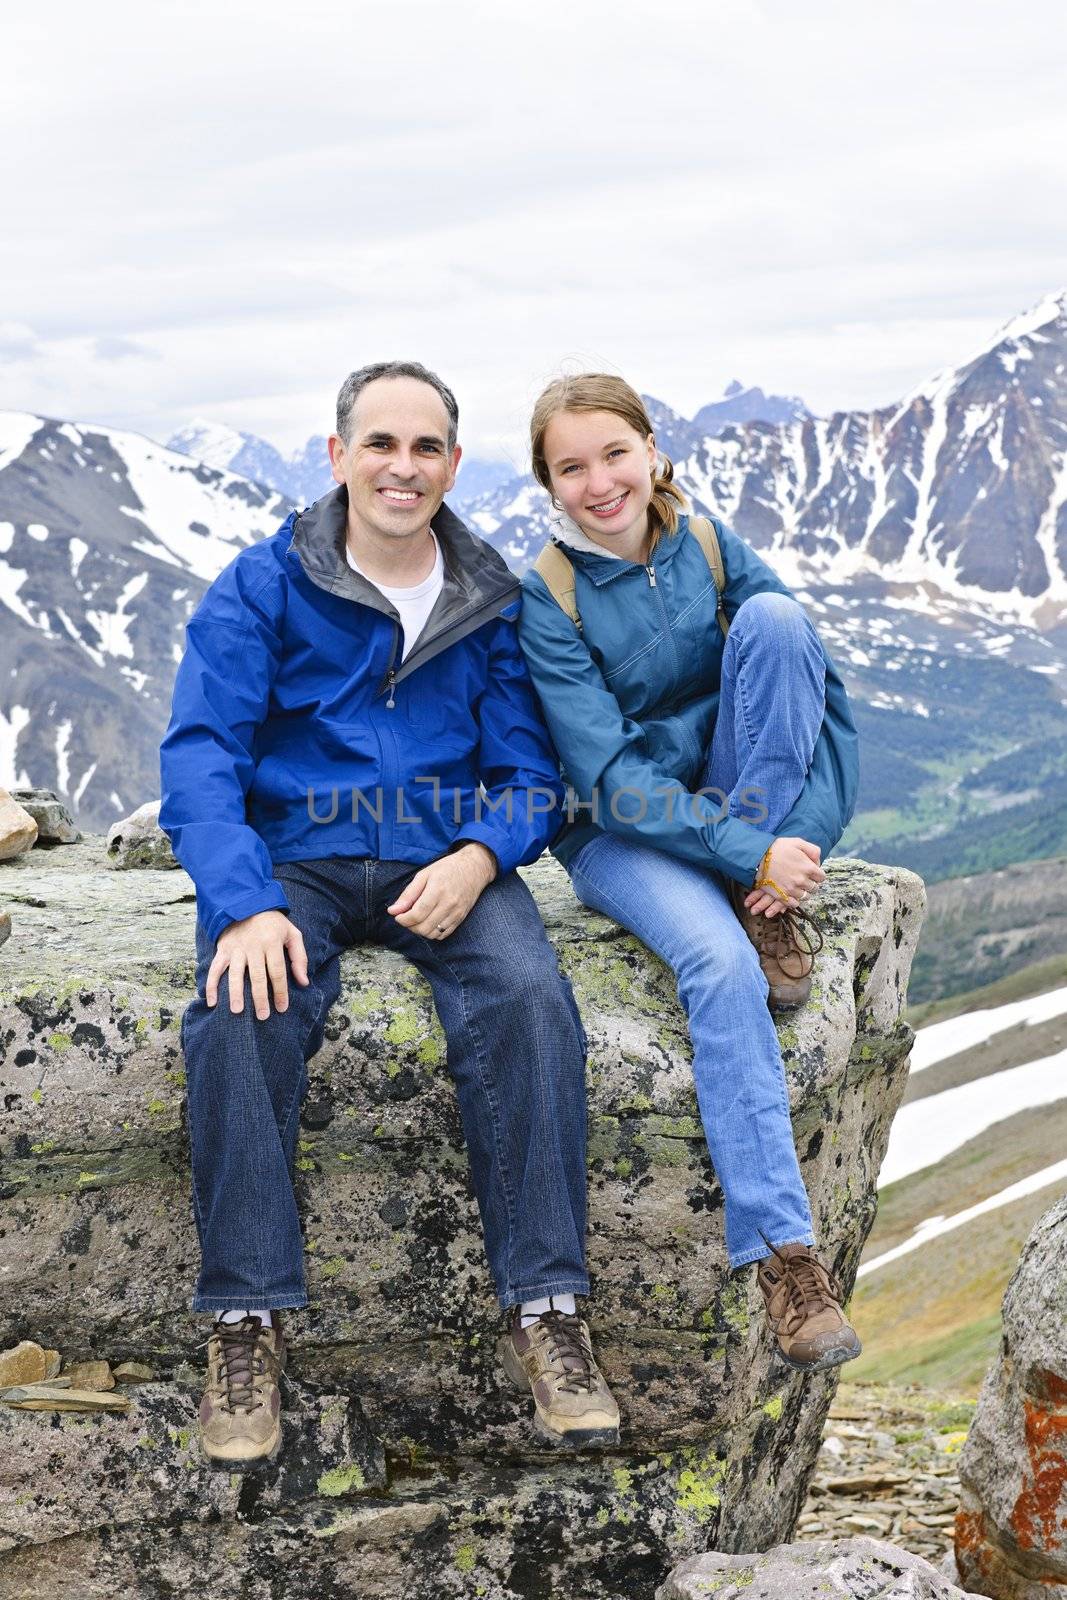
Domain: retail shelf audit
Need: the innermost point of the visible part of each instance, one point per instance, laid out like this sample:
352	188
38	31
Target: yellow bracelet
764	879
769	883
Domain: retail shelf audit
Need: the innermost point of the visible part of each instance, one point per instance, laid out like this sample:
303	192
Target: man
356	753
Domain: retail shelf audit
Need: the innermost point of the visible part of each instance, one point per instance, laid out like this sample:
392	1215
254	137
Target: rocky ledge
426	1481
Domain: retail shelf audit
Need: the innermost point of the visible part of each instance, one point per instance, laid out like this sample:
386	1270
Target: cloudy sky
218	209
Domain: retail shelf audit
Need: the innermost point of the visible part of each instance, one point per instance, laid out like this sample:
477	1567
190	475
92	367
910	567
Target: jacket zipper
390	676
650	569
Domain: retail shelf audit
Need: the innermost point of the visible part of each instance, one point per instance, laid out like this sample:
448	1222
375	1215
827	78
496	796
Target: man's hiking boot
573	1406
804	1310
240	1414
786	944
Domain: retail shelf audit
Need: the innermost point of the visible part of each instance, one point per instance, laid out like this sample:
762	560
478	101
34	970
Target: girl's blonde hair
601	391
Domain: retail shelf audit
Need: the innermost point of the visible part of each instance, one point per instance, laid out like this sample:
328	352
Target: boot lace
570	1349
242	1362
792	932
809	1285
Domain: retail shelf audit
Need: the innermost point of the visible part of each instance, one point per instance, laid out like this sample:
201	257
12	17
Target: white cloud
826	201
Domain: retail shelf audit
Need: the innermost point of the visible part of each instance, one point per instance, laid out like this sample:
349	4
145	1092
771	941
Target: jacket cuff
742	851
496	841
270	898
457	844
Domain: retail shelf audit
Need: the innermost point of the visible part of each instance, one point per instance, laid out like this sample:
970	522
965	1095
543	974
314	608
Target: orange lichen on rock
1050	1386
1035	1520
972	1545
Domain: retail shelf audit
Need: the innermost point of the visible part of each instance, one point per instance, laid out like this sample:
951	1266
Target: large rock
841	1569
139	841
100	1252
18	831
1011	1529
55	825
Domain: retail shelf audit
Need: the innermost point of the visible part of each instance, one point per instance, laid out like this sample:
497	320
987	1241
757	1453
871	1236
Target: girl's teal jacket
631	701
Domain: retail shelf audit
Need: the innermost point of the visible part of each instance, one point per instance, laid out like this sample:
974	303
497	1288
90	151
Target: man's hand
794	866
257	945
439	896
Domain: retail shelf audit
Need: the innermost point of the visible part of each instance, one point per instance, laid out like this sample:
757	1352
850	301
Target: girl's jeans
770	711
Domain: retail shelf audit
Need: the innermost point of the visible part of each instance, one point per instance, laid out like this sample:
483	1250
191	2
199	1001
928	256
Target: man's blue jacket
298	732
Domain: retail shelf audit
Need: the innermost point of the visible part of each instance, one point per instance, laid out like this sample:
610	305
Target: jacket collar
320	533
478	584
598	564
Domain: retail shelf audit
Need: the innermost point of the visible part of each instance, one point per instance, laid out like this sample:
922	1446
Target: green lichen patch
699	1491
341	1480
465	1558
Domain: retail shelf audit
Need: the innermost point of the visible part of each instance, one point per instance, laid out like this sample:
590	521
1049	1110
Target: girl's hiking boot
804	1310
786	944
240	1414
573	1406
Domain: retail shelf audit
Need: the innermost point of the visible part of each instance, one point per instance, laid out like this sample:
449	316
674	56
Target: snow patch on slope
17	429
10	728
173	497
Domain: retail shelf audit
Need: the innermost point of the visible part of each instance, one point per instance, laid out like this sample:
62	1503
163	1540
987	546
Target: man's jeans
770	711
516	1050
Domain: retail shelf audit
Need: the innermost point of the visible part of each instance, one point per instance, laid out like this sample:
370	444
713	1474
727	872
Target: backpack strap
557	573
555	569
703	531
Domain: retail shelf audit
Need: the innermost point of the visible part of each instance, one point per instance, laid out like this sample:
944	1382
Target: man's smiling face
397	465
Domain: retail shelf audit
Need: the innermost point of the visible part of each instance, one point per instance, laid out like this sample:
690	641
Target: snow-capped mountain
107	542
962	485
302	476
305	474
739	404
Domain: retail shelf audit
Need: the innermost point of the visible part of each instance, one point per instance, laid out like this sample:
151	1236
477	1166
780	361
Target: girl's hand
794	866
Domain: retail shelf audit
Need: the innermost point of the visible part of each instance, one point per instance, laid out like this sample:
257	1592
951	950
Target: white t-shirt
415	604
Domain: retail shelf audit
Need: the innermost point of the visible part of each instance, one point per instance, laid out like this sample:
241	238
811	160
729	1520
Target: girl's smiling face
602	472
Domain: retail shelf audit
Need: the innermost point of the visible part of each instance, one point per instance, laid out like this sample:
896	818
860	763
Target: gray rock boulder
18	831
100	1252
1011	1529
139	841
55	825
833	1569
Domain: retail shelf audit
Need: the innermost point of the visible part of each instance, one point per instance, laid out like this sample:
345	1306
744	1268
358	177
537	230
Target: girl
710	774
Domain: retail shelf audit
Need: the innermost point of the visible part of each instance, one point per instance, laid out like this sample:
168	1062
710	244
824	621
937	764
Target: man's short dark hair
356	382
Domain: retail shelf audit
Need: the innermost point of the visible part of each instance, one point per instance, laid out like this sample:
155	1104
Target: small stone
139	841
55	825
18	831
42	1397
95	1375
133	1372
18	1389
5	926
23	1363
865	1483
